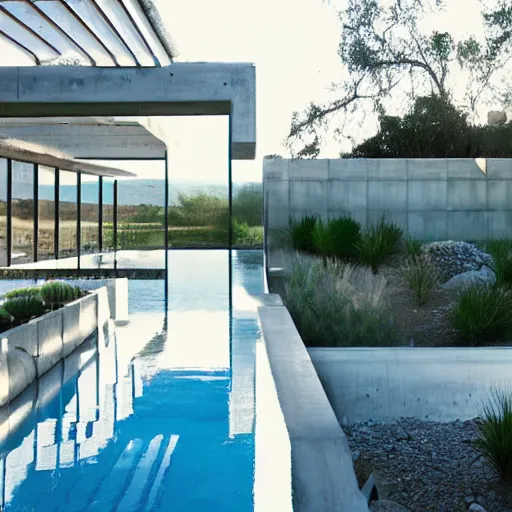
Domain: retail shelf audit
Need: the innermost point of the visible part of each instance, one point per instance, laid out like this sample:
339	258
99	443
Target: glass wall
199	184
140	208
46	214
67	214
247	209
22	212
108	214
3	212
89	216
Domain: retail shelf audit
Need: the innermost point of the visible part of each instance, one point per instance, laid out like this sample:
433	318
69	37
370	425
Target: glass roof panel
31	17
147	31
13	55
80	33
94	19
128	31
20	33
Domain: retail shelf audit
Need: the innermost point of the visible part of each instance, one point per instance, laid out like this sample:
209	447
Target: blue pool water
154	416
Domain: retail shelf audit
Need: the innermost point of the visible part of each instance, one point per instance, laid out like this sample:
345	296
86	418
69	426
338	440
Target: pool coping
323	476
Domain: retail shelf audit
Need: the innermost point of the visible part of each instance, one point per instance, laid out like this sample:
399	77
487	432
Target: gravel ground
427	466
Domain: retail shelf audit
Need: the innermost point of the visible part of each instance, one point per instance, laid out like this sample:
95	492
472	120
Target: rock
469	500
386	486
387	506
475	507
453	258
483	277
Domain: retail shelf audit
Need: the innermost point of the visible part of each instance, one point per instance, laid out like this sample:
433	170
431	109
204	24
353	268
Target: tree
385	55
435	128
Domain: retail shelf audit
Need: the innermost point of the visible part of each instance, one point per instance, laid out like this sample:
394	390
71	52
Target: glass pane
22	212
46	207
3	212
198	183
247	210
89	225
108	214
140	209
67	214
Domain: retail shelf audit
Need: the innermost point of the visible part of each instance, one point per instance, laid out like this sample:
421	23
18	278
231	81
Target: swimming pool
157	415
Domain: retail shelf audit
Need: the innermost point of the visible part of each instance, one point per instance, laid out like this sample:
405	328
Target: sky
293	44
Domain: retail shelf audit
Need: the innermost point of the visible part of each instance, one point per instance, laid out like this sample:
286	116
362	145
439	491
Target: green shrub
78	293
495	433
24	308
248	204
240	229
56	293
22	292
5	320
302	234
422	277
482	314
147	213
501	251
378	243
200	209
338	305
336	238
414	247
245	235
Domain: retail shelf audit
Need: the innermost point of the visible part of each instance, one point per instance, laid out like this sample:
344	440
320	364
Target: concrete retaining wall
431	199
385	384
323	477
34	348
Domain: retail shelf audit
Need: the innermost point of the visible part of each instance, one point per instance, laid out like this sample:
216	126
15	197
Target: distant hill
138	191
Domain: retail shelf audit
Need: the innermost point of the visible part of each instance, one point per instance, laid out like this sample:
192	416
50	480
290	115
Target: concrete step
164	465
130	502
111	488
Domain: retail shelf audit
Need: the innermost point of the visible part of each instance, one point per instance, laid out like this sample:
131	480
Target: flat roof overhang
89	138
181	89
36	154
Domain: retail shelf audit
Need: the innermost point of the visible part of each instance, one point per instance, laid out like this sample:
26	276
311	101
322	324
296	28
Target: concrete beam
178	89
90	141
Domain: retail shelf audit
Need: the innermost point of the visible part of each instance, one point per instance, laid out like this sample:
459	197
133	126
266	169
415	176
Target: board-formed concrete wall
431	199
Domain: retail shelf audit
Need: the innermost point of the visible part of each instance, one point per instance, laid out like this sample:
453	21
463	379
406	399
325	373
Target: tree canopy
434	128
387	54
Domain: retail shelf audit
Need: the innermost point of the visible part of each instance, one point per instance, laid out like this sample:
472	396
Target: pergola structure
94	66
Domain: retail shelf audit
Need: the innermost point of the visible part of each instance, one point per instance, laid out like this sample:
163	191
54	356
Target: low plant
56	293
414	246
24	308
301	233
22	292
501	251
241	229
482	314
336	304
5	320
378	243
495	432
336	238
78	293
391	236
422	277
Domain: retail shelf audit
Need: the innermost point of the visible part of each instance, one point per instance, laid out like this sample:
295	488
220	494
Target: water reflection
156	415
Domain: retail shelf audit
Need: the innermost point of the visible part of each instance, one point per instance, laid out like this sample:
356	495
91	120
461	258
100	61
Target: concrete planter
384	384
32	349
